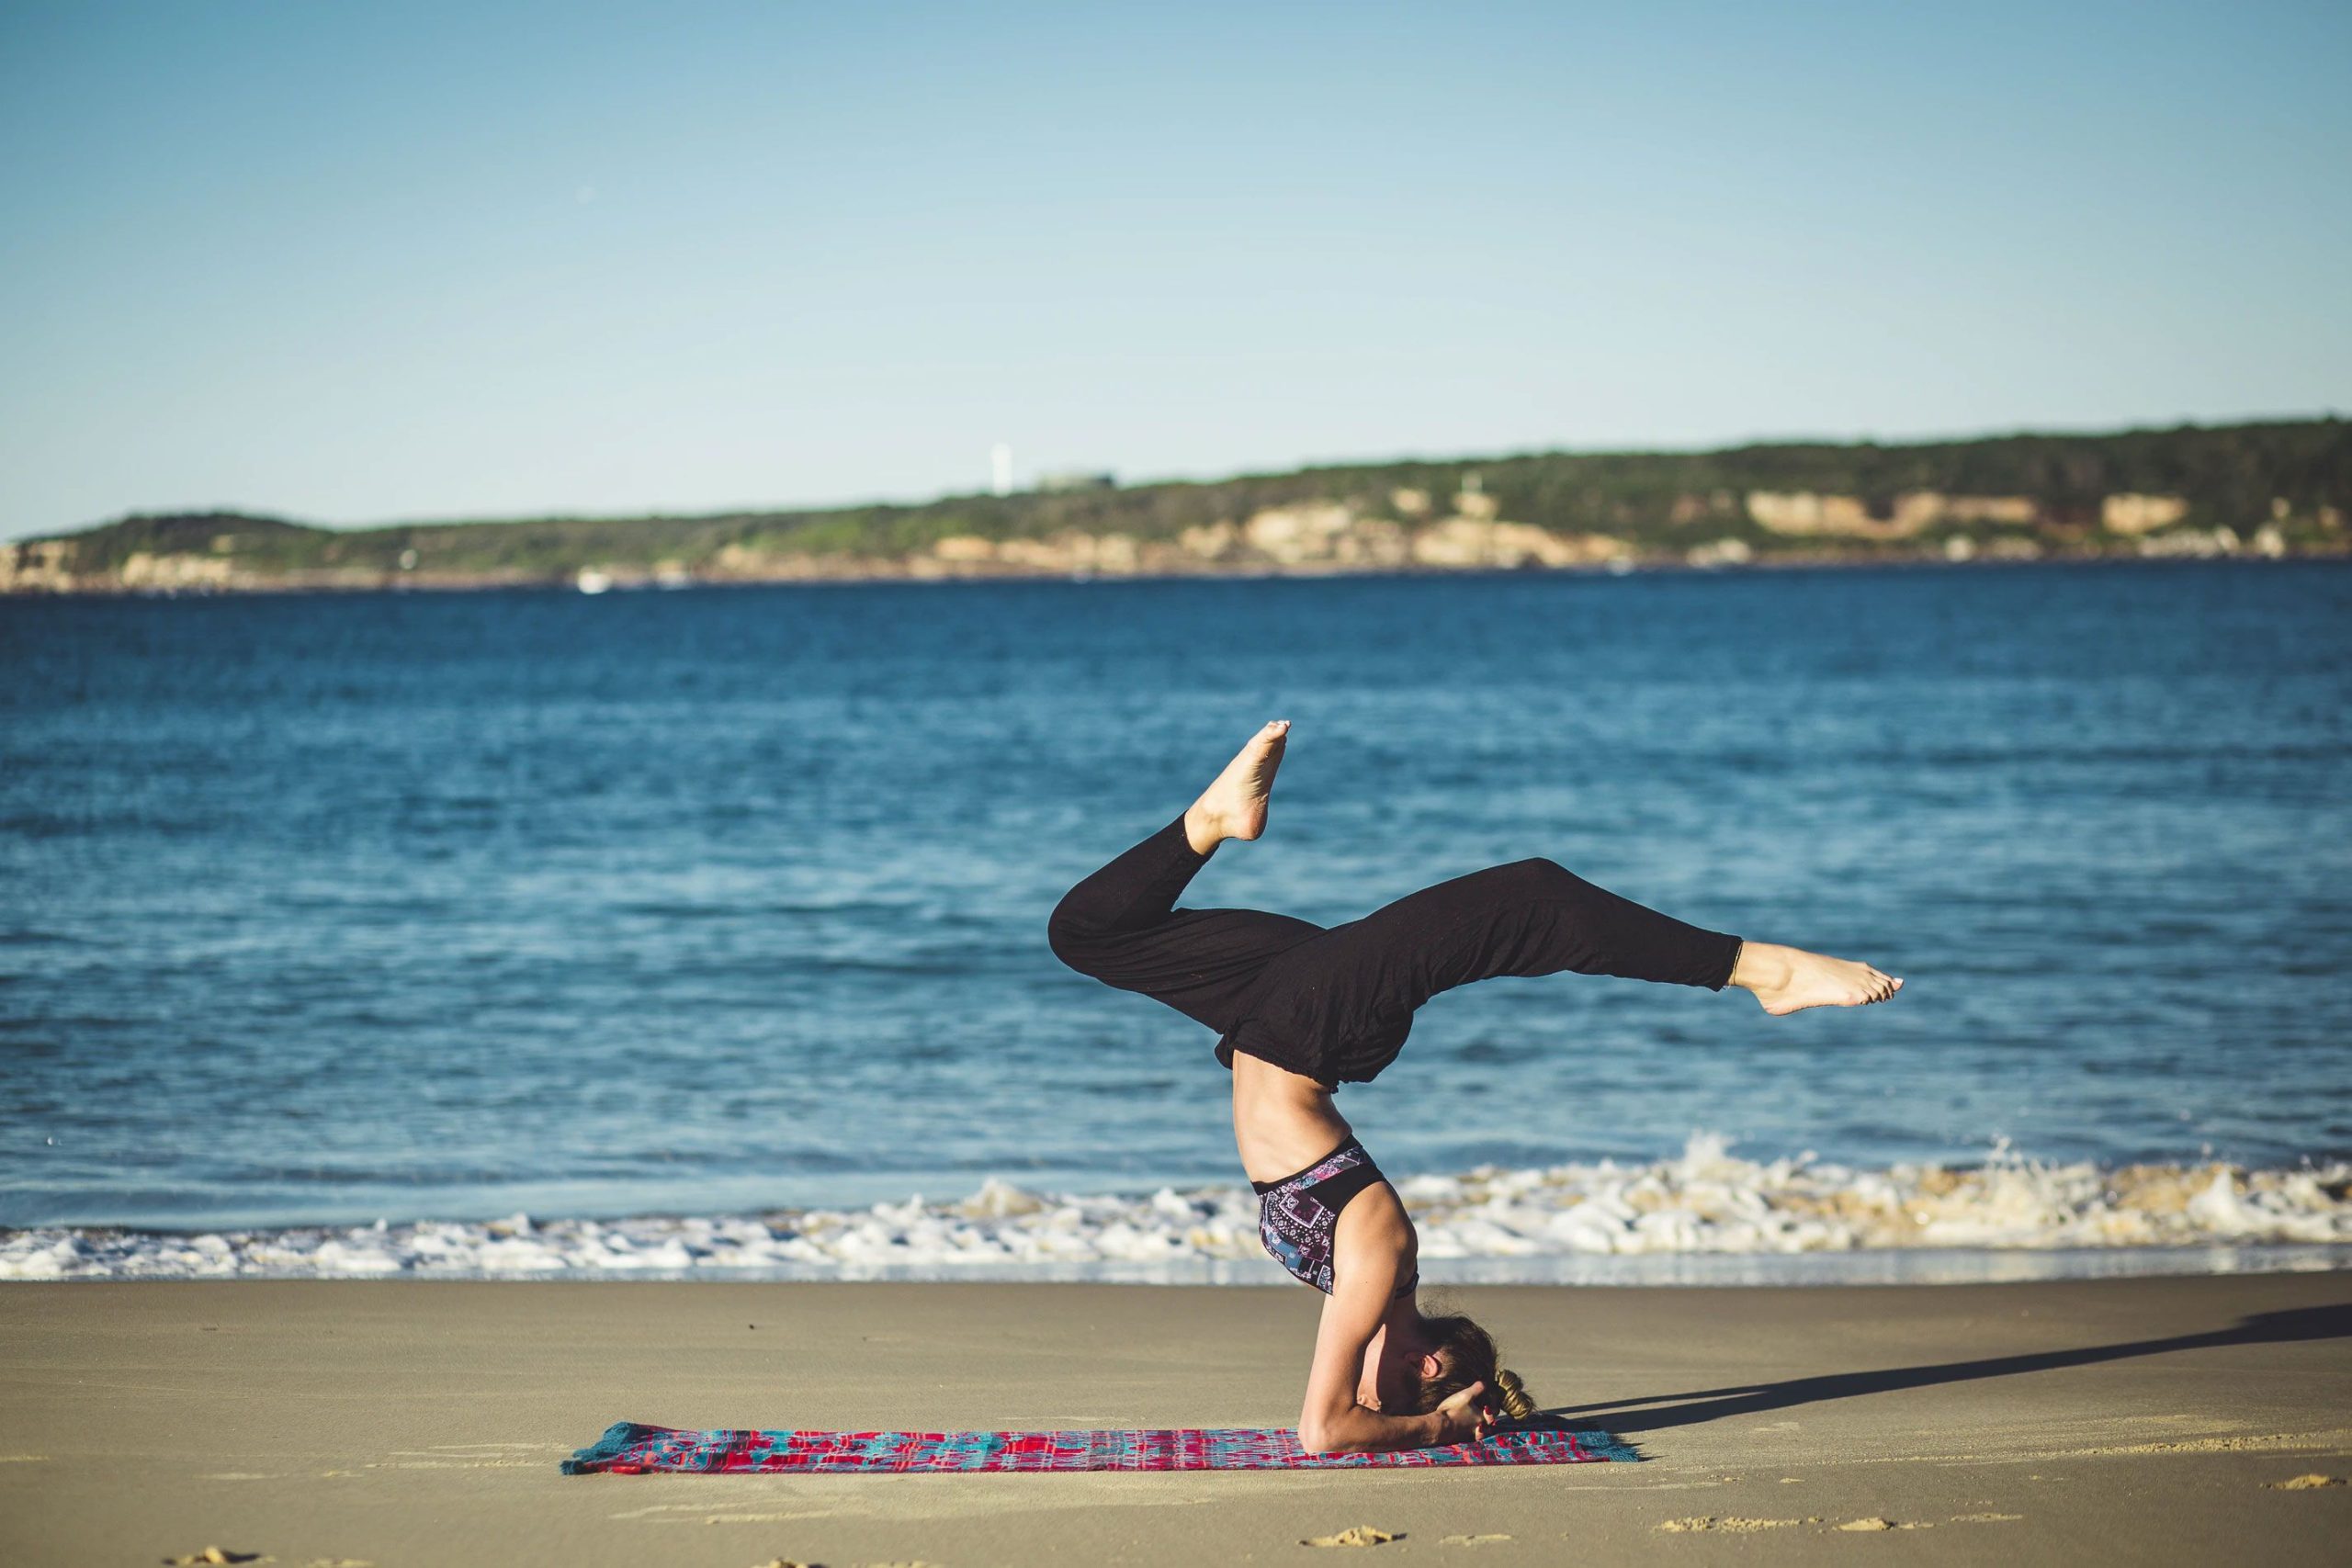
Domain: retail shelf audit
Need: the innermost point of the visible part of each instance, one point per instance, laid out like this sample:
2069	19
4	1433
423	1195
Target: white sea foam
1486	1224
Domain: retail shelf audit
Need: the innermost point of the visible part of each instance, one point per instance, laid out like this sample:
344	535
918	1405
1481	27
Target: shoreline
1708	1216
2270	488
2151	1421
1919	1268
866	574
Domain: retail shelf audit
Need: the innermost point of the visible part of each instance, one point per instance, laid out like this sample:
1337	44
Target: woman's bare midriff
1282	1121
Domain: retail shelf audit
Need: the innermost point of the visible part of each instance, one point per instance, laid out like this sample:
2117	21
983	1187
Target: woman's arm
1334	1419
1355	1428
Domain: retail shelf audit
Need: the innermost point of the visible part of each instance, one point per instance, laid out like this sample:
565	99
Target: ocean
704	931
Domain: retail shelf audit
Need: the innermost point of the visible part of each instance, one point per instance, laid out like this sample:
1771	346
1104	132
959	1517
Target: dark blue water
320	907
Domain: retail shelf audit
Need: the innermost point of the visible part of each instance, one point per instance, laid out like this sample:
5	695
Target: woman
1300	1010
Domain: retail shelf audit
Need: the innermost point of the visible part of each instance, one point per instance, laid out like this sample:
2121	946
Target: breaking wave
1489	1224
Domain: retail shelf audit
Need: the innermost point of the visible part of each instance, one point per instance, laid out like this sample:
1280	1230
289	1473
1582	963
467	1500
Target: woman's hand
1461	1418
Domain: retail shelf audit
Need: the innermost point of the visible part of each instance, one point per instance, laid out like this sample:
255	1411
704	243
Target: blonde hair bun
1511	1394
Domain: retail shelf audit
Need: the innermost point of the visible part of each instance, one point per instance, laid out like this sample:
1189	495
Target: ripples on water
327	908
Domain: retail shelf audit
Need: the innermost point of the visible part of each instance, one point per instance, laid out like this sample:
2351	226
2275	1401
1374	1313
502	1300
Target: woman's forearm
1362	1430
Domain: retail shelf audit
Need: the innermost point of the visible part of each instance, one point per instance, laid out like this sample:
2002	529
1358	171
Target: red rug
630	1447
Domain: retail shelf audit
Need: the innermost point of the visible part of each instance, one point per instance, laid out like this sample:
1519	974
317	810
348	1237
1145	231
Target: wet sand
416	1423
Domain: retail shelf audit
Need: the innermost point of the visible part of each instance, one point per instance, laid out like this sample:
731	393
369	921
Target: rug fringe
611	1446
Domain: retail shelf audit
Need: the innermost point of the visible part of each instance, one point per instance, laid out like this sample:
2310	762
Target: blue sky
366	262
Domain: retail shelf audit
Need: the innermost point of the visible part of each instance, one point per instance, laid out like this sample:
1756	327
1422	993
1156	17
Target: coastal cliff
2269	490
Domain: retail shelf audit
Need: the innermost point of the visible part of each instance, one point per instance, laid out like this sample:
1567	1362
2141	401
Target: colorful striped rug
631	1447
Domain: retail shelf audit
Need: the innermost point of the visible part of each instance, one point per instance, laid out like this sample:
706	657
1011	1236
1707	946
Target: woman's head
1455	1353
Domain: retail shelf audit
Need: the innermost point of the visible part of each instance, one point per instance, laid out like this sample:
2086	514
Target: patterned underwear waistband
1262	1187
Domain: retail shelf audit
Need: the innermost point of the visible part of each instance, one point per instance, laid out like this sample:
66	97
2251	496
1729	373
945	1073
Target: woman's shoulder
1375	1222
1379	1205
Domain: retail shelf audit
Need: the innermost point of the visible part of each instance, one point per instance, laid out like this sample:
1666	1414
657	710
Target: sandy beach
391	1422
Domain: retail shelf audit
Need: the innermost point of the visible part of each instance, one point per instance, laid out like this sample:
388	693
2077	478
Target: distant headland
2275	489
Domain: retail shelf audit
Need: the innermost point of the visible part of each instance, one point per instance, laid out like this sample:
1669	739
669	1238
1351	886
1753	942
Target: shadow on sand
1661	1411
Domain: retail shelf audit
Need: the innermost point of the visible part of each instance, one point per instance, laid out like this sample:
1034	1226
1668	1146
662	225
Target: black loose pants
1335	1003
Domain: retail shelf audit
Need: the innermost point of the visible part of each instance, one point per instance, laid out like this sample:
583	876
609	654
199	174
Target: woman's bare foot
1789	979
1233	807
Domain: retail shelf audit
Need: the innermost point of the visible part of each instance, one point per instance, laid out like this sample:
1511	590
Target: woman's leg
1531	916
1535	917
1338	1007
1121	926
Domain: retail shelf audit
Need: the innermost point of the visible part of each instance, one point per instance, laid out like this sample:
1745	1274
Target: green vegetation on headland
2271	489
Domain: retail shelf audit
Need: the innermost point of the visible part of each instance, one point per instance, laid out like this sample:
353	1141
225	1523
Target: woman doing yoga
1300	1010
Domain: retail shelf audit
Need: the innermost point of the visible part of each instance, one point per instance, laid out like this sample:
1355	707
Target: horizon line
2328	416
